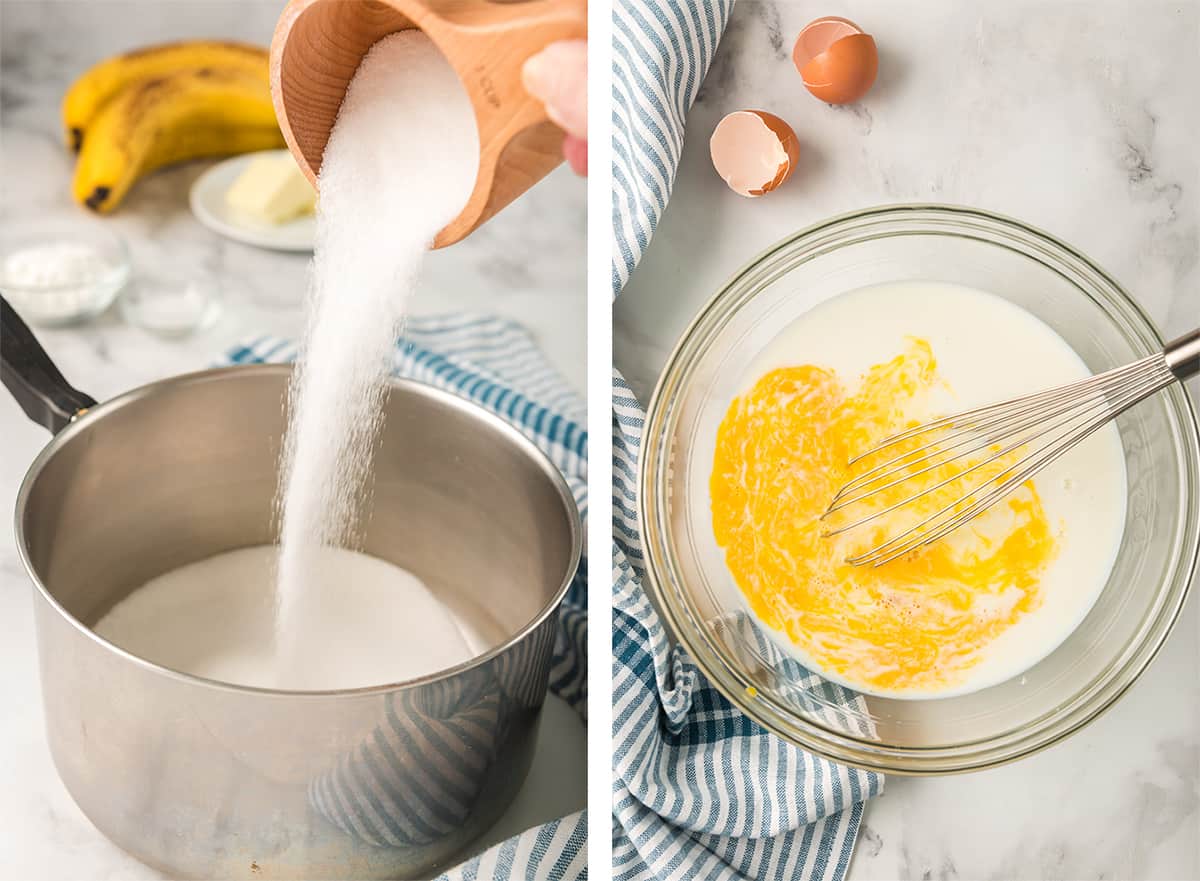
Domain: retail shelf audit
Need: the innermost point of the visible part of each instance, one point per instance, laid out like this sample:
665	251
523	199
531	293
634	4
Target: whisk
1035	429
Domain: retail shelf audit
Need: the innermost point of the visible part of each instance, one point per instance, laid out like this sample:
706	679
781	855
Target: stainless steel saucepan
208	780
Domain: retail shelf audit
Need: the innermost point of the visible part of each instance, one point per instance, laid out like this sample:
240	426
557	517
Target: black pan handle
29	374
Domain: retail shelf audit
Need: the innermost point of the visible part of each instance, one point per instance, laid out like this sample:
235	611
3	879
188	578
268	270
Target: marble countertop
1081	119
527	263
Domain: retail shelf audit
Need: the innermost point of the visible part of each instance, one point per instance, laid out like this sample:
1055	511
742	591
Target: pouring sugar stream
384	196
370	244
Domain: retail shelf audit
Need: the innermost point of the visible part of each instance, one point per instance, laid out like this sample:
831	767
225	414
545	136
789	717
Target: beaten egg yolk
917	623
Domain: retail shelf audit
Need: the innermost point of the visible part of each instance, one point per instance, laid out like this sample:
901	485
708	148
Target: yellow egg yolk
917	623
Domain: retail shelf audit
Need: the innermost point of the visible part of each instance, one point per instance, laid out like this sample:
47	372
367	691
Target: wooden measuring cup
318	45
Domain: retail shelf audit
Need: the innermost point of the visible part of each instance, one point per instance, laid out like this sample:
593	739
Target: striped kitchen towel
700	790
661	52
496	364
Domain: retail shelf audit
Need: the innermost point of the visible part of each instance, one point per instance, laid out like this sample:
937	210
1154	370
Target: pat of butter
272	190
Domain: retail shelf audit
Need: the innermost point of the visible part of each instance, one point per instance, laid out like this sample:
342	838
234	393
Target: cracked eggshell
754	151
837	61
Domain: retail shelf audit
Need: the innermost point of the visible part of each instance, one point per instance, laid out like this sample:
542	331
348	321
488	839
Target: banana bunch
137	112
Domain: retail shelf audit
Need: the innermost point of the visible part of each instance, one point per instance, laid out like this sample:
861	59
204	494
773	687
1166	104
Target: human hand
557	76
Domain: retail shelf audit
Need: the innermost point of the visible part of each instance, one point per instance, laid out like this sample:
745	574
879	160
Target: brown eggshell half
819	35
844	72
754	151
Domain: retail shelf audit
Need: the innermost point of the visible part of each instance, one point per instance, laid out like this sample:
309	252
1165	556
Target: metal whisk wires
974	448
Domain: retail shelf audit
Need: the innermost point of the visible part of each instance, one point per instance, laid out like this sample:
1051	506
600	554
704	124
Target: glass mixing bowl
685	568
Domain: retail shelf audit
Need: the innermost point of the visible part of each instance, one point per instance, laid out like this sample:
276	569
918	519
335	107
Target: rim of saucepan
666	583
409	386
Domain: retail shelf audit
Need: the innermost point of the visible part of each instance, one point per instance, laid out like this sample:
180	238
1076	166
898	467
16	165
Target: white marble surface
1082	118
527	263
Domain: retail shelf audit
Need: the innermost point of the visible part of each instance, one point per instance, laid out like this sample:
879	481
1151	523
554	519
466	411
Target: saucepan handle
31	377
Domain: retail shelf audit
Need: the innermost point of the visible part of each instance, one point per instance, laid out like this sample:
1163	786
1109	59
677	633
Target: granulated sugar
214	618
400	164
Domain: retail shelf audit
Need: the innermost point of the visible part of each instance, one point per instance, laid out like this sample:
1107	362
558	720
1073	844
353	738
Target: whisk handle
1183	355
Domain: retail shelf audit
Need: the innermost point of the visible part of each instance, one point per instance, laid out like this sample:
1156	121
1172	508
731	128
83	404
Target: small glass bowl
702	605
61	300
172	303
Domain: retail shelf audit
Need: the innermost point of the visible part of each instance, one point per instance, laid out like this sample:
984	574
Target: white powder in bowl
58	280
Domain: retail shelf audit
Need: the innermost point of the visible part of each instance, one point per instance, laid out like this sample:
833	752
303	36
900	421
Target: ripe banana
88	94
184	115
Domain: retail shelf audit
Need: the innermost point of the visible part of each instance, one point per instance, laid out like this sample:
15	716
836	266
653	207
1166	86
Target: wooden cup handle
319	44
518	144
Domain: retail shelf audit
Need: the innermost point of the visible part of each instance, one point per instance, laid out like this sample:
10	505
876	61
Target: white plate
208	204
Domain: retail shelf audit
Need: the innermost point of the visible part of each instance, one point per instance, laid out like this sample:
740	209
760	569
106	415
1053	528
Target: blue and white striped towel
700	790
496	364
661	52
